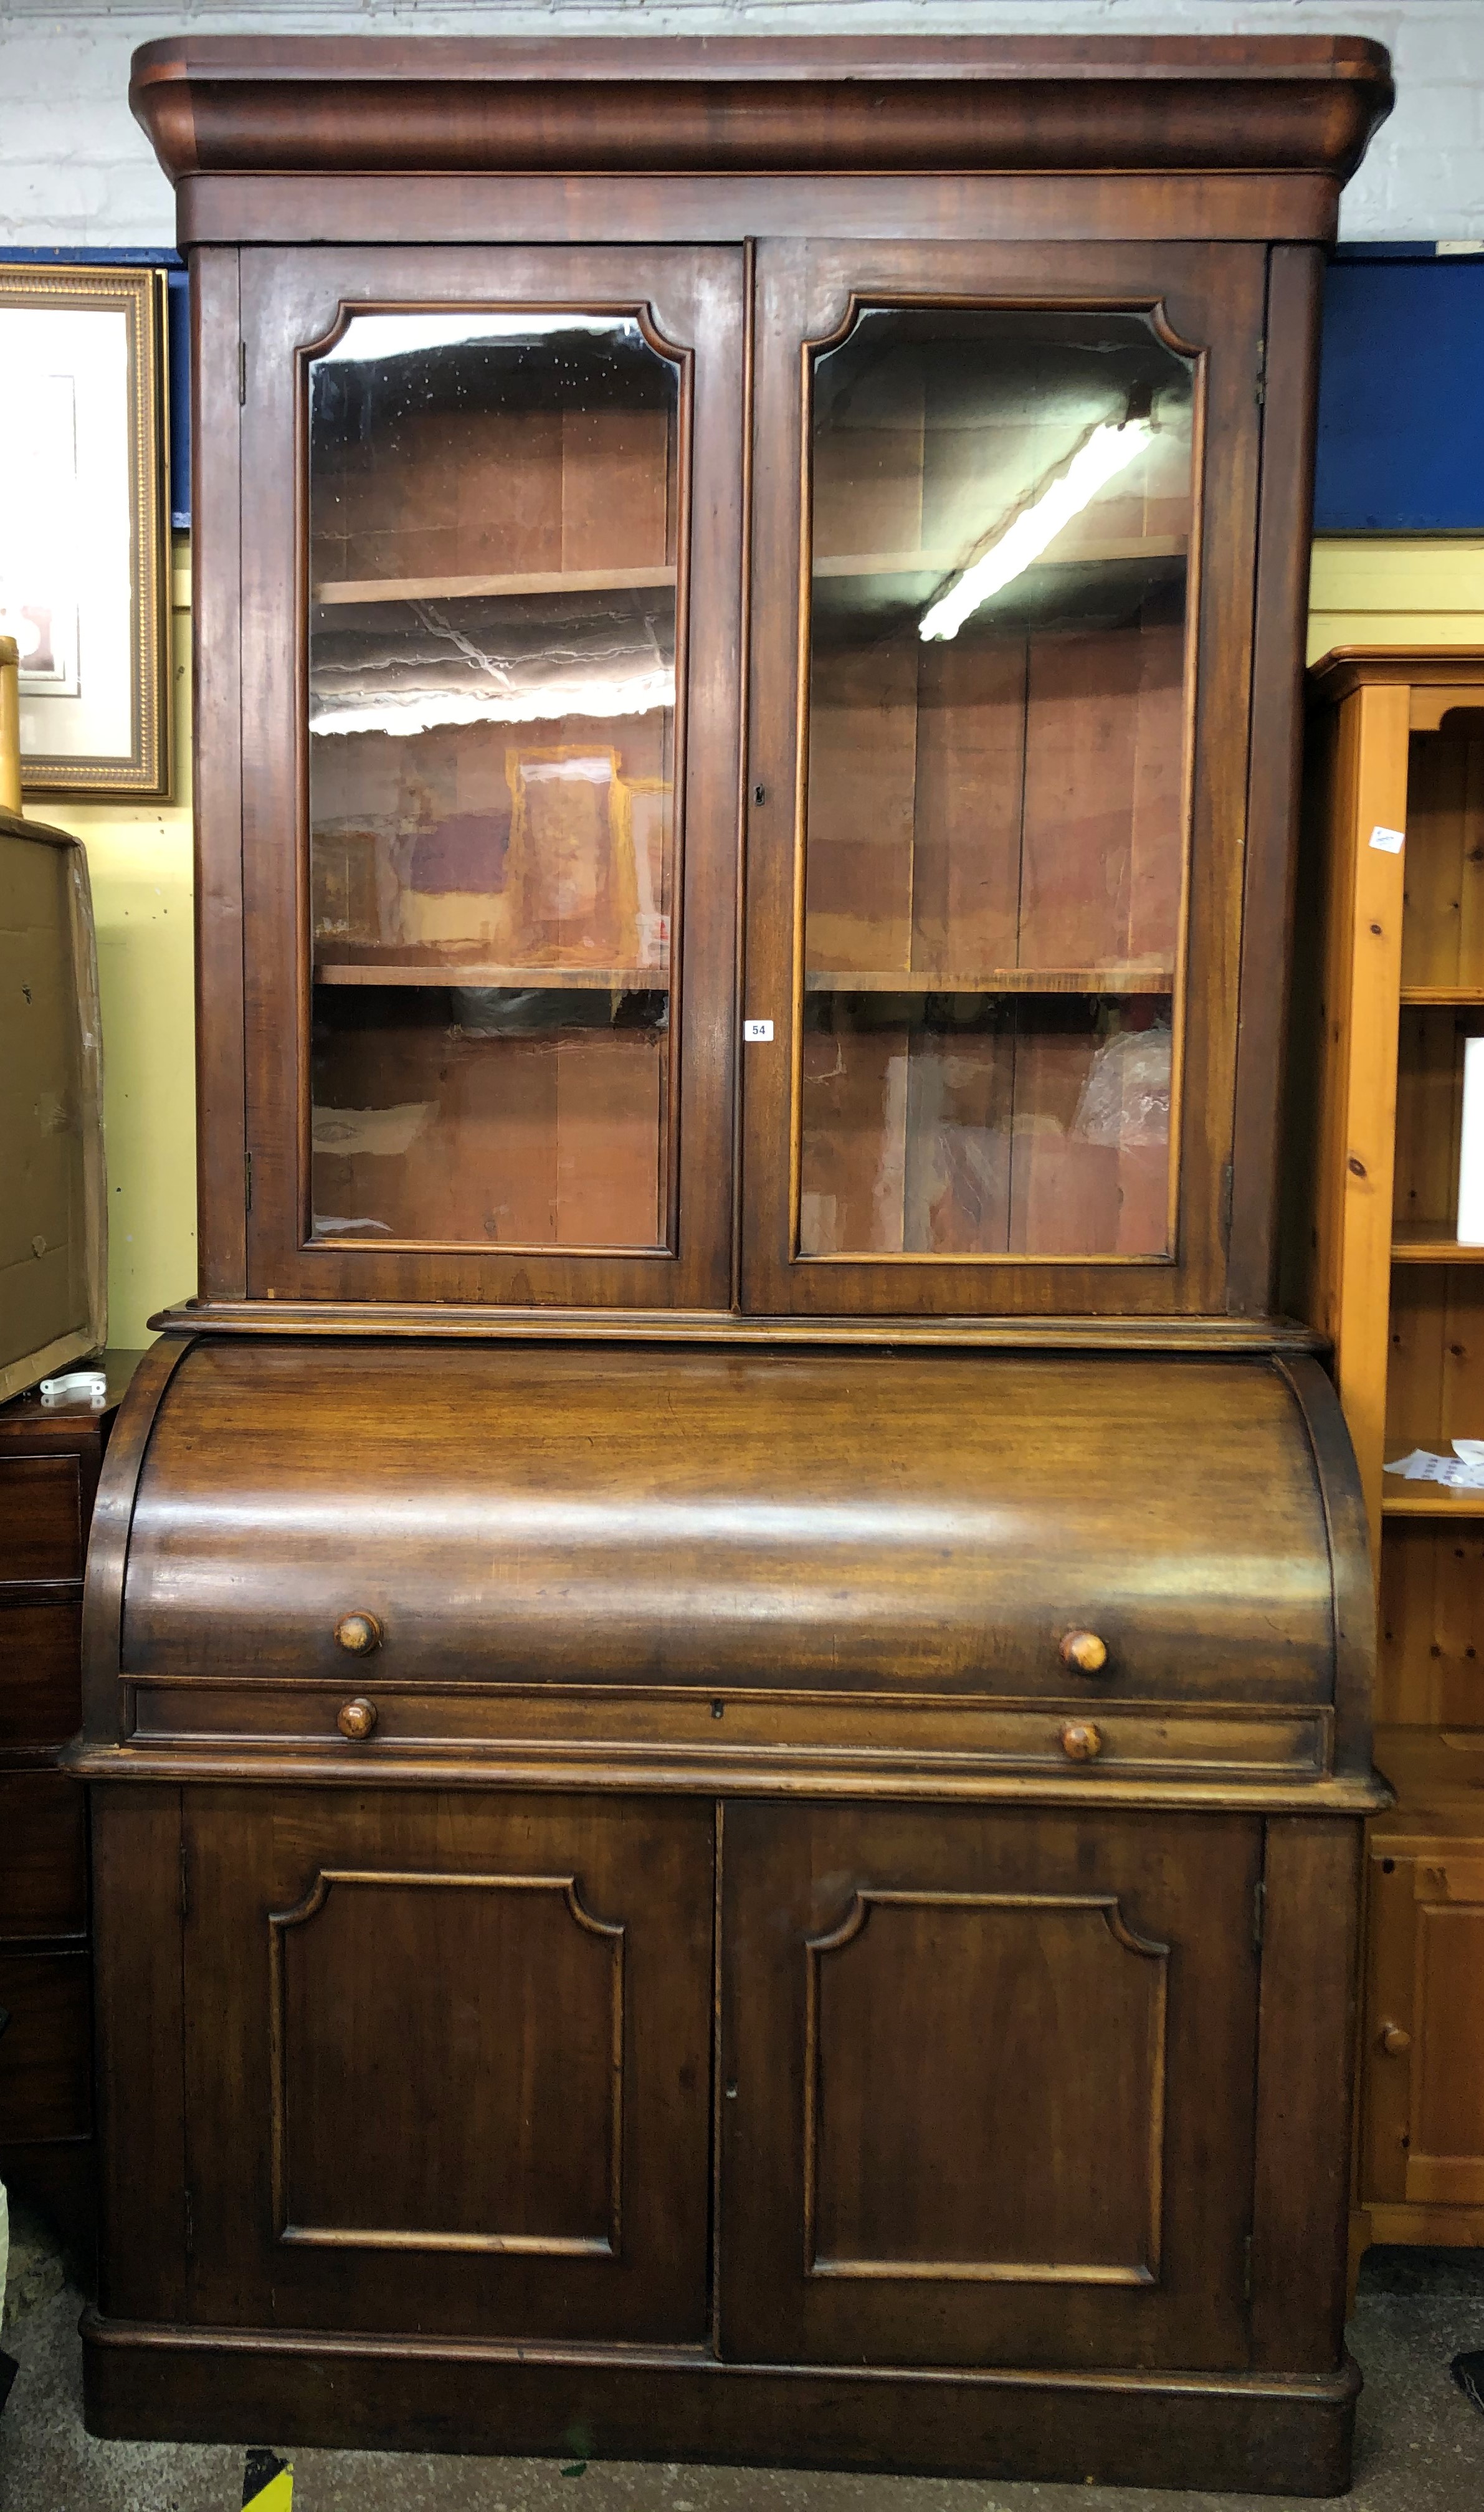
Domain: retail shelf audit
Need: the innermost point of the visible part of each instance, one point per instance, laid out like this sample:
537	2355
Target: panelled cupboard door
447	2063
997	778
490	587
988	2086
1423	2140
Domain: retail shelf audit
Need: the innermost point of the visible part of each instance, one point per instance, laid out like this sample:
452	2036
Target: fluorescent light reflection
425	710
1107	452
376	337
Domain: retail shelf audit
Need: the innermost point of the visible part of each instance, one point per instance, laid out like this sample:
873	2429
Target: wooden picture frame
84	549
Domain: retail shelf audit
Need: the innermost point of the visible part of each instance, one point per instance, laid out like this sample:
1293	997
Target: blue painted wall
1401	393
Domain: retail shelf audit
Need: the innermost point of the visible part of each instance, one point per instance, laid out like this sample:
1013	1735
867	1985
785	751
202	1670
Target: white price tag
757	1033
1388	842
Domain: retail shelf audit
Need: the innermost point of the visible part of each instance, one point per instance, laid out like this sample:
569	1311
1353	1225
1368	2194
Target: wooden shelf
1402	1498
1431	1242
550	981
487	588
1466	998
1109	553
1116	980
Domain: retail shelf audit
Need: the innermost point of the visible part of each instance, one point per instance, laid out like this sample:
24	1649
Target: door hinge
1247	2270
1226	1206
242	374
1261	380
247	1178
1259	1916
185	1883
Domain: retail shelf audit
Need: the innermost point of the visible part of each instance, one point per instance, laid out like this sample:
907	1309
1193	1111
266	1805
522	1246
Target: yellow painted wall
1362	592
1403	592
139	864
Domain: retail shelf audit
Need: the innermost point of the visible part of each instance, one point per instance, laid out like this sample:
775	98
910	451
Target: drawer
40	1673
41	1523
43	1859
45	2047
667	1725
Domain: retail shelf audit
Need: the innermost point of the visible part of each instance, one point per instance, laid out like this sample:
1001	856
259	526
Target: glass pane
1001	506
491	693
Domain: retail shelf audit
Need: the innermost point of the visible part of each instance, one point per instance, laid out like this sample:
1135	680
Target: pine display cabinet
728	1657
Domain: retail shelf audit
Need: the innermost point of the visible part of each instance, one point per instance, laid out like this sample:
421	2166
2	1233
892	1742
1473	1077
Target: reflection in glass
492	711
1001	517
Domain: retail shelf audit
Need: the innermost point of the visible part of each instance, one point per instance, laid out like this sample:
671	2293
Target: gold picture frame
84	526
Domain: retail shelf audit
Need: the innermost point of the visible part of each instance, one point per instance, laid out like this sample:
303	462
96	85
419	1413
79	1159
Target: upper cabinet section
748	729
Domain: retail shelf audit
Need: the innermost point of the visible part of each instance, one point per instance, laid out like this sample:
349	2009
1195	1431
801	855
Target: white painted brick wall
75	170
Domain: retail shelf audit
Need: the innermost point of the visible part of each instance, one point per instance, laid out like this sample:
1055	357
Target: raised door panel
1445	2158
491	605
993	2087
995	880
447	2064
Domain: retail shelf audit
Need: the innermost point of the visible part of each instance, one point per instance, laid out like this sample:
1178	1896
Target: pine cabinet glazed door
988	2087
447	2063
491	597
997	782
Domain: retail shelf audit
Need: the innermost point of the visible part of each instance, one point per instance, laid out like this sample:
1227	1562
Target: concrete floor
1420	2444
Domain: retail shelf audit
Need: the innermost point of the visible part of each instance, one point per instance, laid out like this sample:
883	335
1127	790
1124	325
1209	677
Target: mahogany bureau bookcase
728	1656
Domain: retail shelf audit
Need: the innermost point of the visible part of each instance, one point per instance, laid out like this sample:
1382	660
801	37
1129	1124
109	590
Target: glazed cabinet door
490	569
987	2082
447	2063
996	781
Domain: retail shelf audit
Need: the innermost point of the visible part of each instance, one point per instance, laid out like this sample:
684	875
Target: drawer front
43	1859
44	2048
41	1525
1036	1736
40	1673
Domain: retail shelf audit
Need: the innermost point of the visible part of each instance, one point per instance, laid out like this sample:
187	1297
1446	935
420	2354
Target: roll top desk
728	1657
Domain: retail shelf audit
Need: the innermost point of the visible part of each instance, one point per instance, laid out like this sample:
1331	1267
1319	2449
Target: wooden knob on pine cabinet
1081	1743
358	1632
1395	2040
357	1719
1084	1651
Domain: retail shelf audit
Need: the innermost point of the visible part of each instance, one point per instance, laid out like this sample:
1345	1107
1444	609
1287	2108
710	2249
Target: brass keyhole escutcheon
1083	1652
1081	1743
357	1719
358	1632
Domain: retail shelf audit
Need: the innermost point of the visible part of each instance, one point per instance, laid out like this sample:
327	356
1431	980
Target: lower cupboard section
409	2078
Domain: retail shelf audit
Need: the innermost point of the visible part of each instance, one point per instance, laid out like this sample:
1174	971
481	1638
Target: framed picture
84	542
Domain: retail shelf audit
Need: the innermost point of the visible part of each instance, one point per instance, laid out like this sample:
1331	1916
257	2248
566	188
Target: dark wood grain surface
225	105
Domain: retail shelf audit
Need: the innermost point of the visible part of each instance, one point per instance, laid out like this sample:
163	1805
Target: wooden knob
1395	2040
357	1719
1079	1743
1084	1651
358	1632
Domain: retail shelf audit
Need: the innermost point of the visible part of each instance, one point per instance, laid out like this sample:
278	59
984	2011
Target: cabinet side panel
217	588
1305	2043
136	1884
1294	278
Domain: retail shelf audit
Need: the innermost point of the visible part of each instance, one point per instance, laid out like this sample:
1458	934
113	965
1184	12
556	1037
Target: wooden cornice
857	104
